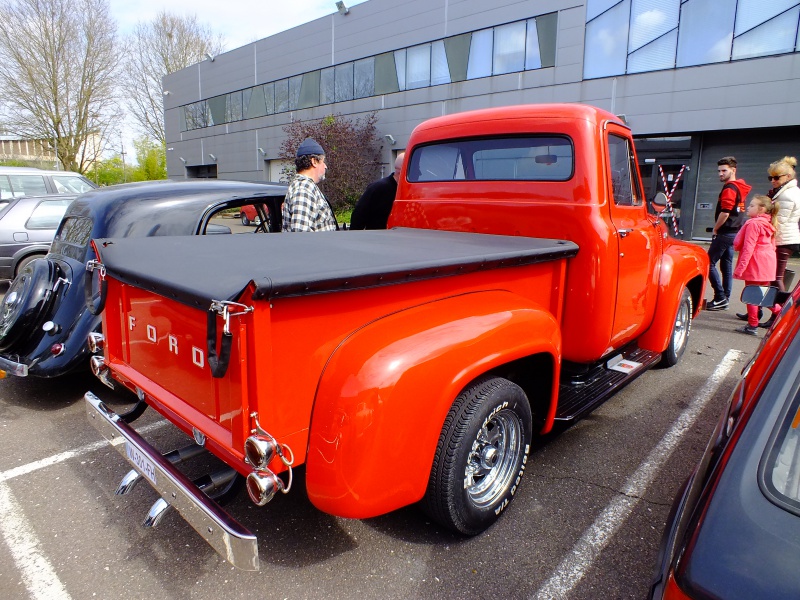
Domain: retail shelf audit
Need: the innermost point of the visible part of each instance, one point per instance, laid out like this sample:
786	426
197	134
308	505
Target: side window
47	215
5	188
620	161
28	185
71	184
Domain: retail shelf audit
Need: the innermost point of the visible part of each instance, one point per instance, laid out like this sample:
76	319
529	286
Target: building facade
695	80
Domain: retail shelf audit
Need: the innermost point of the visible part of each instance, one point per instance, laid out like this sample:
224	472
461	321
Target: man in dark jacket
729	216
373	208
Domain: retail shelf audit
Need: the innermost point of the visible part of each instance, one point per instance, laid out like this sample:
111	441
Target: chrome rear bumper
14	368
230	539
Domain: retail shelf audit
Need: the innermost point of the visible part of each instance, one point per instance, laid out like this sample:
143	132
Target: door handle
624	232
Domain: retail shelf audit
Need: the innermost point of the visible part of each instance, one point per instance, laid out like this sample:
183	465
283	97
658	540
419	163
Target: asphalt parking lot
585	524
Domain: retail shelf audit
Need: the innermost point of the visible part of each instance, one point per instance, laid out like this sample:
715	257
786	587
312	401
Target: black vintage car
44	319
734	530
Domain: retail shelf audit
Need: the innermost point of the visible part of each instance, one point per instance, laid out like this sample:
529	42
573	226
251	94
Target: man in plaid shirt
305	208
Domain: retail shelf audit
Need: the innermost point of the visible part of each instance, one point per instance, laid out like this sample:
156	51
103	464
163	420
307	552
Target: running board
575	400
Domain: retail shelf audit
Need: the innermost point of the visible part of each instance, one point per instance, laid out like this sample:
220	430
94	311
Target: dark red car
254	214
734	530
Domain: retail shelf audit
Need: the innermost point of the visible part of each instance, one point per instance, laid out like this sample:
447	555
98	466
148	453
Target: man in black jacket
373	208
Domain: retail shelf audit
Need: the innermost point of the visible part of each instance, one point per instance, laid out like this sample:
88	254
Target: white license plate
143	464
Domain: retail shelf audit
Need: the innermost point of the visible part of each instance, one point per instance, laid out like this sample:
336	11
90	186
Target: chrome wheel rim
491	464
683	322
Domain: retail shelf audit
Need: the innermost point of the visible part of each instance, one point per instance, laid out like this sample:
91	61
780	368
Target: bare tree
164	45
57	73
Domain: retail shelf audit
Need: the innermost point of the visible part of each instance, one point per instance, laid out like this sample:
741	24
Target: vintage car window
28	185
47	215
529	158
620	159
72	237
72	184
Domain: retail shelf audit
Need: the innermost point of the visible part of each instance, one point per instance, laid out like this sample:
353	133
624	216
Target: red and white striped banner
669	192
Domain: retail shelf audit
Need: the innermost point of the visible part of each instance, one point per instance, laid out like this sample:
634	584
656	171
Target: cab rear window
519	158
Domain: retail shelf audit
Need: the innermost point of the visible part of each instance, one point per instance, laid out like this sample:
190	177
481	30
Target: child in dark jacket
757	260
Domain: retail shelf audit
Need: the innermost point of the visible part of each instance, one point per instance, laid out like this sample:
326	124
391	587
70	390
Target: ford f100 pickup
522	281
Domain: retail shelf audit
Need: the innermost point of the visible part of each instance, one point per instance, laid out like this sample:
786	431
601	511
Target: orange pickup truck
523	281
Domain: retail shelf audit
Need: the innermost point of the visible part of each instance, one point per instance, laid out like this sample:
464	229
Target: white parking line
59	458
38	574
576	564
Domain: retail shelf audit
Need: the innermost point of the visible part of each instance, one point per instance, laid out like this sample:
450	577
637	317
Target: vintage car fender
682	266
386	390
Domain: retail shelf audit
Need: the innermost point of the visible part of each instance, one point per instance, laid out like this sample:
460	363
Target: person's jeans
721	250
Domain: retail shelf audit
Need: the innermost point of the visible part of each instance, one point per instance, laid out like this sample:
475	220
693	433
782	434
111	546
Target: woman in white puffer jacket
786	194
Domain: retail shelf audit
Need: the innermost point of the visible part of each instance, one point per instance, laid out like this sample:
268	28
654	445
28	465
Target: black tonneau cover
197	270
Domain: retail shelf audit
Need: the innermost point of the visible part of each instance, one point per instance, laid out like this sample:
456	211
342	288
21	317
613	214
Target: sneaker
748	329
717	304
744	317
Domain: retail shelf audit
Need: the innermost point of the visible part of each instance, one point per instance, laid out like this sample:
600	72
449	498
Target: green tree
151	158
108	172
352	151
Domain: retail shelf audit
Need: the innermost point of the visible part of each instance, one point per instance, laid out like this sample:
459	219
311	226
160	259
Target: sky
238	21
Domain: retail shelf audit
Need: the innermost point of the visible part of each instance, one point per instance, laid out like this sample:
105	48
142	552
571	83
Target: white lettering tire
480	457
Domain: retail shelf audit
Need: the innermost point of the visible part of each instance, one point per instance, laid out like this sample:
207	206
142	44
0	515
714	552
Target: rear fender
386	390
682	266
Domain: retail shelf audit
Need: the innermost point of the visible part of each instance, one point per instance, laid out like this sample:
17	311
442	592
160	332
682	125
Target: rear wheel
680	332
245	220
25	262
480	457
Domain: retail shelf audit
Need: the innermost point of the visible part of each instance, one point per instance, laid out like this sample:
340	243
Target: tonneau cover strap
219	362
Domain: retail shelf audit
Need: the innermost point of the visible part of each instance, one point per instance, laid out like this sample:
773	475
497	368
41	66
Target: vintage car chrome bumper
230	539
15	368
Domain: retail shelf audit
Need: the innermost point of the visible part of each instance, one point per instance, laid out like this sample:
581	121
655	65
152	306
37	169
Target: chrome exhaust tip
259	451
262	486
96	342
101	371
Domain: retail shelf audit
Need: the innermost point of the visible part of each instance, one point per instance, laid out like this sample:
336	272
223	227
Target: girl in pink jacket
756	245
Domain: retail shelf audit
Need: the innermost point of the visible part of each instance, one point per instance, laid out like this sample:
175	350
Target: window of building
282	95
364	76
662	34
480	54
776	36
509	48
706	32
233	107
327	89
440	71
418	66
343	76
605	52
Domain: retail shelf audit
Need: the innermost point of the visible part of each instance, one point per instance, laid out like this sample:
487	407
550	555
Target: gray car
27	228
27	181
